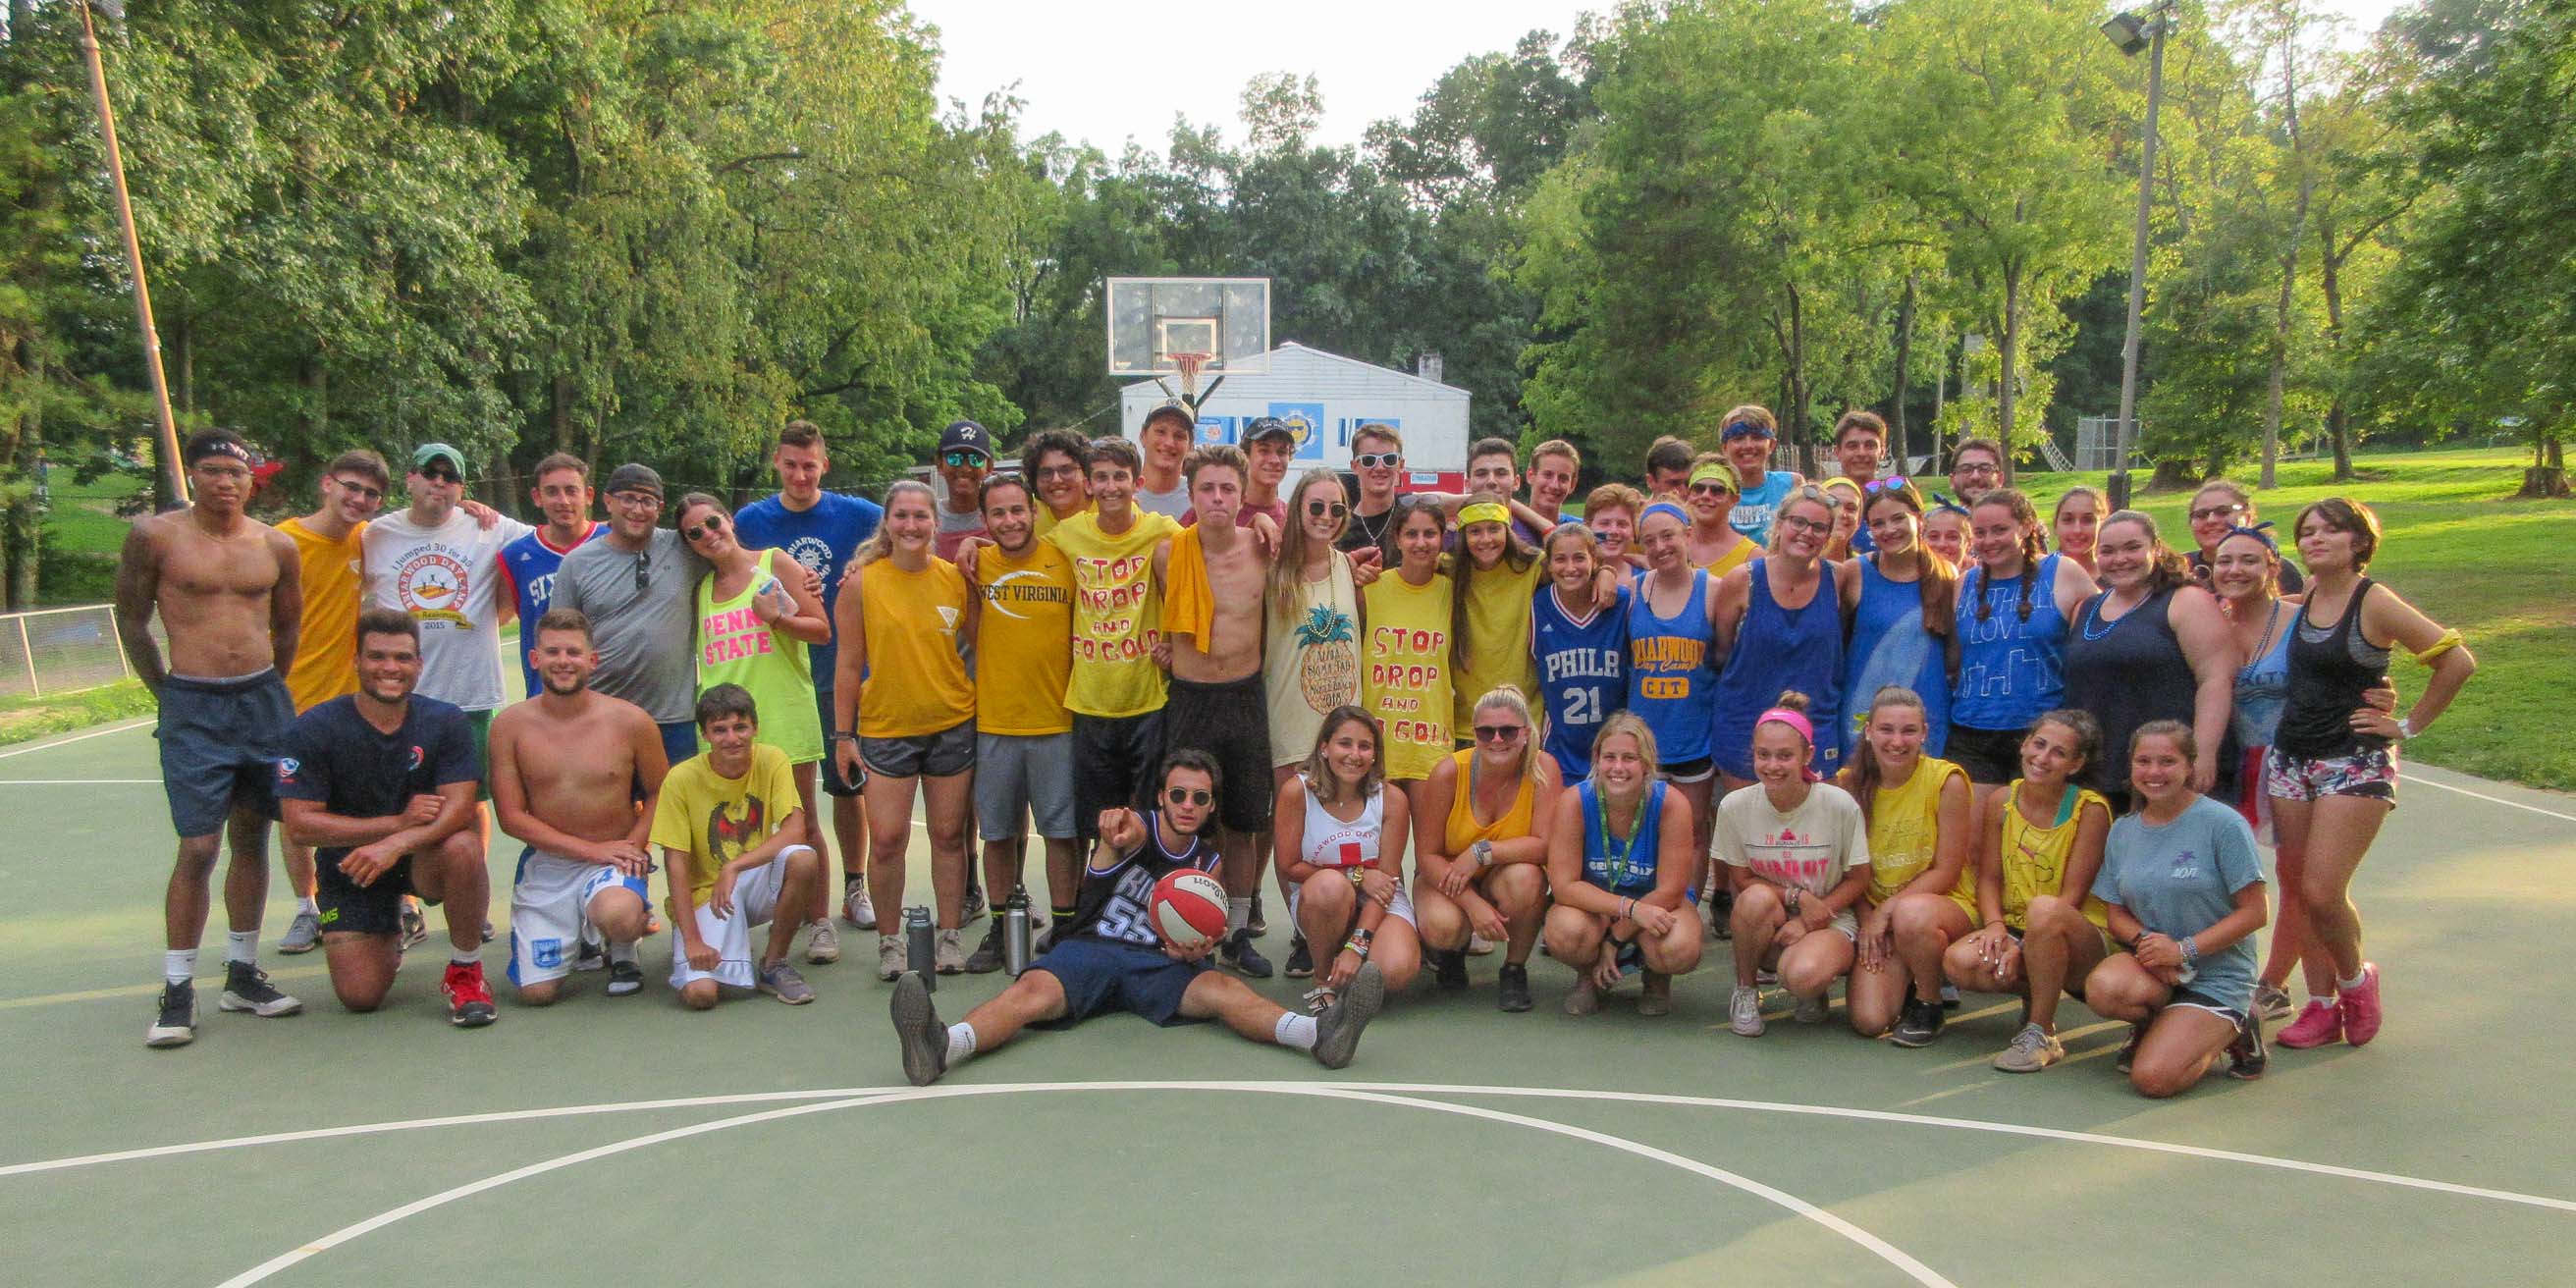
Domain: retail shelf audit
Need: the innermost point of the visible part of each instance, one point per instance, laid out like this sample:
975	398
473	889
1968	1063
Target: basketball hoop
1188	365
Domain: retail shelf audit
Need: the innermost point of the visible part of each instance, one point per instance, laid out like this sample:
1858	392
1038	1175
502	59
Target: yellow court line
143	990
2069	1035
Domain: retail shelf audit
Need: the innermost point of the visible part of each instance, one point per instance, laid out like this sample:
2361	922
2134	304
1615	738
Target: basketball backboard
1157	325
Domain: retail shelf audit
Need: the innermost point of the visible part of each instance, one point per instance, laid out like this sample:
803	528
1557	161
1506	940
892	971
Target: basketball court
625	1140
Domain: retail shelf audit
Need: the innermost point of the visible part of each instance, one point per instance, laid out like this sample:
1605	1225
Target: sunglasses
1188	795
1498	733
643	571
441	475
963	460
1711	488
1745	429
1897	484
1378	460
1326	509
714	523
2216	512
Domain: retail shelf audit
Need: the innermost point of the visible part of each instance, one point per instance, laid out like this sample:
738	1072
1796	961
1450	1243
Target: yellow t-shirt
1905	833
1043	520
917	682
715	818
326	650
1406	681
1498	636
1117	614
2034	859
1023	641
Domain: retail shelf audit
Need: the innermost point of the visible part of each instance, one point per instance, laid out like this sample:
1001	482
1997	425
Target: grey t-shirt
1174	503
2180	879
645	637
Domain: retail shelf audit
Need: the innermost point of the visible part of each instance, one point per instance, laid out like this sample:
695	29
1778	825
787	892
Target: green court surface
626	1141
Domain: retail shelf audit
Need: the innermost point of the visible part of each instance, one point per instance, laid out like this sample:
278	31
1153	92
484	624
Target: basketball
1189	905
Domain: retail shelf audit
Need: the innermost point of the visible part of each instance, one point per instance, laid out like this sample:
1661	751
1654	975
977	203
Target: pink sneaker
2318	1024
2360	1007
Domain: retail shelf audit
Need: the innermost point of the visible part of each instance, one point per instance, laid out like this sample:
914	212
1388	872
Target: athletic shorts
349	908
550	907
1102	977
755	897
1230	721
679	740
220	744
2369	772
1695	770
479	723
1989	755
1403	909
830	776
2199	1001
1024	777
929	755
1113	765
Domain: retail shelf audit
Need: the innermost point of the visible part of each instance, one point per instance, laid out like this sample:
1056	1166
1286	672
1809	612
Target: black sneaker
917	1029
2247	1058
1721	914
1301	959
1239	953
1918	1024
1257	925
975	905
2129	1049
987	956
1448	968
177	1025
1515	988
589	956
246	988
1337	1030
625	979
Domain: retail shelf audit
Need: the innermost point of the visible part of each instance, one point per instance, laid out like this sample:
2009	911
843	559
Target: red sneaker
469	999
2360	1007
2319	1023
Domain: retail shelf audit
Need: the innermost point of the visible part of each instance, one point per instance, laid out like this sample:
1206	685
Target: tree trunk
2289	258
22	524
1793	425
562	387
2010	353
2338	416
1904	359
183	338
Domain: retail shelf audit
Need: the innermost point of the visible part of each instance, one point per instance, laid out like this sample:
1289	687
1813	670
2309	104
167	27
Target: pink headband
1798	722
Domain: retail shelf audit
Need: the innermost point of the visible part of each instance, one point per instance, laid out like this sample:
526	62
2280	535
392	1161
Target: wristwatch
1791	902
1484	851
2405	728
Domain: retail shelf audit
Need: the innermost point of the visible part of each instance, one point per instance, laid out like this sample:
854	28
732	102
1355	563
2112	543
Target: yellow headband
1484	512
1719	470
1842	482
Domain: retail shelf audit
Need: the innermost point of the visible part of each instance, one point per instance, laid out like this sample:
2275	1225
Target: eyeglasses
1326	509
636	500
1188	795
360	490
1800	523
1711	488
714	523
1977	467
643	571
2217	512
1744	429
963	460
1378	460
1060	472
1498	733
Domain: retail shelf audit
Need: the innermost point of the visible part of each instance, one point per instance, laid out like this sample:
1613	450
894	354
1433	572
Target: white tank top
1332	843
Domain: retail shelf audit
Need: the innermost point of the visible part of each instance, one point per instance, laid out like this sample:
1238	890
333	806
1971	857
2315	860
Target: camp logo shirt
1023	646
1117	615
917	682
1406	684
449	579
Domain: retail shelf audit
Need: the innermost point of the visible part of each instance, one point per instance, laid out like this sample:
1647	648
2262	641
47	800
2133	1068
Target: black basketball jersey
1114	906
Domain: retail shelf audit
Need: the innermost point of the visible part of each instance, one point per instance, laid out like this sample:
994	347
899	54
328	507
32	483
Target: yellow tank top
1406	682
2034	858
1498	637
1736	557
1462	828
1905	833
917	682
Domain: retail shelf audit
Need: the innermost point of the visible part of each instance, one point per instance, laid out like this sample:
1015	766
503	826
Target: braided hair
2034	547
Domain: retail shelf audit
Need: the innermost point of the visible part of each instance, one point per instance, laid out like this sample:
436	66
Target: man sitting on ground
729	823
1112	956
382	783
585	860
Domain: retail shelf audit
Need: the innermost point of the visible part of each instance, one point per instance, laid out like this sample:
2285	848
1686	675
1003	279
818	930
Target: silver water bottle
920	946
1015	932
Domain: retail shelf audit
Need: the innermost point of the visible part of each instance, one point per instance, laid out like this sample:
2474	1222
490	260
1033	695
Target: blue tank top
1755	509
1671	679
1776	649
529	566
1890	646
2009	669
1582	673
1625	870
2263	685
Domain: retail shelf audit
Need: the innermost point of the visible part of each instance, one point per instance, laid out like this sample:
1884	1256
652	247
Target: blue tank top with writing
2010	669
1890	646
1778	649
1624	870
1760	502
1582	673
1671	679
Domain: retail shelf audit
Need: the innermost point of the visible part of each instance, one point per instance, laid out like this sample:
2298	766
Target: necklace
1375	532
1614	855
2093	613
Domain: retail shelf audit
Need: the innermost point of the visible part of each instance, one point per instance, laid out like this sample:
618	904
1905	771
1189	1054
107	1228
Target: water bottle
920	951
1015	932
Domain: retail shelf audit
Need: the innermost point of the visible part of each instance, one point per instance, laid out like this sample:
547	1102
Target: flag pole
169	453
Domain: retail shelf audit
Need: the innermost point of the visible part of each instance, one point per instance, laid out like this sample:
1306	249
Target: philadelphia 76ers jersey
1582	673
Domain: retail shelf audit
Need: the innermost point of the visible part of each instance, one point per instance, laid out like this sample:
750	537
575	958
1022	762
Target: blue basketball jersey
1672	671
1624	869
1582	673
528	566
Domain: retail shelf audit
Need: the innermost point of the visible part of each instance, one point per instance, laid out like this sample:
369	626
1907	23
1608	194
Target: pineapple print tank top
1311	661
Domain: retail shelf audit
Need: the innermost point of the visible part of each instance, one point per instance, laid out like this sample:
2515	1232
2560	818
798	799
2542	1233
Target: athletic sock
179	965
464	957
618	952
1295	1031
1238	914
241	946
307	906
1061	919
961	1041
2347	985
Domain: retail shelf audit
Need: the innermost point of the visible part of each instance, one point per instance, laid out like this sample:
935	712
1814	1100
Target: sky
1087	69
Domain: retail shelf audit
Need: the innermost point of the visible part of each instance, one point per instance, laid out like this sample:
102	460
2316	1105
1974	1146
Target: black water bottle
1015	932
920	946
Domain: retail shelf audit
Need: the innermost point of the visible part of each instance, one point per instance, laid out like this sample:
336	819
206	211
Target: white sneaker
890	963
1744	1011
951	958
1479	946
856	909
825	946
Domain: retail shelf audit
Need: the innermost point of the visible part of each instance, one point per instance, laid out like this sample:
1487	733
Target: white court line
1399	1088
80	782
1884	1250
78	737
2493	800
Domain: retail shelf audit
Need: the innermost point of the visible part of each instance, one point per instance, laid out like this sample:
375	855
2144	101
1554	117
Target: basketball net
1188	365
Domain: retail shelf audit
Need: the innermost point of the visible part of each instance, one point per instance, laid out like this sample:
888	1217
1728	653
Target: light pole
171	466
2130	33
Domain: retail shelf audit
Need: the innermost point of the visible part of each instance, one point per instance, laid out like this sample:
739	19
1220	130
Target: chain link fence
60	650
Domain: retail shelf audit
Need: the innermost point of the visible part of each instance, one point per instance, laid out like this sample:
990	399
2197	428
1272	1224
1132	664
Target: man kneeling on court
1111	956
585	861
382	785
730	823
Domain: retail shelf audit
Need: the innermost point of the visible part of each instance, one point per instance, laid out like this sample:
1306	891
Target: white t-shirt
449	579
1810	847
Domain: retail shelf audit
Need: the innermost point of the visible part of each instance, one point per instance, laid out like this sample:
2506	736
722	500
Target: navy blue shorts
344	906
1100	977
679	740
220	744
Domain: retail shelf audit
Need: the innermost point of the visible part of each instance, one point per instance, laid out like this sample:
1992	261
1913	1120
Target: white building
1324	397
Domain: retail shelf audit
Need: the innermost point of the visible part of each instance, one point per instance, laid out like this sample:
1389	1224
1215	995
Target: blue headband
1665	507
2258	533
1942	502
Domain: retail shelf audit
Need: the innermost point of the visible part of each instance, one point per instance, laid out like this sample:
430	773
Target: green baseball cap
422	455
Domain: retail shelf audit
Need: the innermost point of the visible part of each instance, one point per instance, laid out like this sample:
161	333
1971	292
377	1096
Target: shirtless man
1212	576
585	861
232	601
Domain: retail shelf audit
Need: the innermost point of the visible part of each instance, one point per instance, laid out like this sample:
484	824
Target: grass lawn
2458	546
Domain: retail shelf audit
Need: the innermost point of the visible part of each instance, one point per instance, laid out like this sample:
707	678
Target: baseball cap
966	436
422	455
1269	427
634	477
1174	411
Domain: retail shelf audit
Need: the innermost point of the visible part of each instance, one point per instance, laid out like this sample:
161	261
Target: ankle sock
306	906
961	1041
464	957
179	965
2347	985
618	952
241	946
1238	914
1295	1031
1061	919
